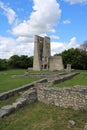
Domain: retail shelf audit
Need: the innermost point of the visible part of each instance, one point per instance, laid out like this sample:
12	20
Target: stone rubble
26	98
72	122
6	110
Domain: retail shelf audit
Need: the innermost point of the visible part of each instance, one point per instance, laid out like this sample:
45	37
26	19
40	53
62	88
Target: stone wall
60	78
41	49
54	79
75	97
42	56
55	63
12	92
27	97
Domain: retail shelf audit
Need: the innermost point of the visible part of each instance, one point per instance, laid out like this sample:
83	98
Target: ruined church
42	56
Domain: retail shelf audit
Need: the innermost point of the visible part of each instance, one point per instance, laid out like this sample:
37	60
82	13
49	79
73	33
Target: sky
64	21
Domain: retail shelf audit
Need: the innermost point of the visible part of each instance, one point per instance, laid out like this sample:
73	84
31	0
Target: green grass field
39	116
80	79
8	83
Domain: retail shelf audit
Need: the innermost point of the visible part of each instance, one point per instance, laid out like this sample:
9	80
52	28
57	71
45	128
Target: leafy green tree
26	61
20	61
3	64
77	58
14	61
30	61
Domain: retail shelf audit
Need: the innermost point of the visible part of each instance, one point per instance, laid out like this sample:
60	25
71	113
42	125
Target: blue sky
64	21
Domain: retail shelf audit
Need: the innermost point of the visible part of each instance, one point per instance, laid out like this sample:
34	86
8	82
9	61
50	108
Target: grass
80	79
39	116
8	83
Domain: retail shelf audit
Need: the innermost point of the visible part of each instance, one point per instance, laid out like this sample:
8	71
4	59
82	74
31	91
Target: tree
3	64
20	61
30	61
25	61
14	61
75	57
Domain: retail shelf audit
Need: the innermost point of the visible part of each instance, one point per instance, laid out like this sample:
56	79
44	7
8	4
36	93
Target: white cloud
55	37
9	13
45	15
58	47
72	43
66	22
41	21
76	1
22	39
9	47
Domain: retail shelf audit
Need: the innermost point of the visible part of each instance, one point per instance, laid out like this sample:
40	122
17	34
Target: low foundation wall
52	80
27	97
59	79
75	98
12	92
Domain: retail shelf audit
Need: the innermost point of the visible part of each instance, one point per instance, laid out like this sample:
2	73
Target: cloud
76	1
66	22
40	22
24	39
58	47
9	47
55	37
9	13
44	17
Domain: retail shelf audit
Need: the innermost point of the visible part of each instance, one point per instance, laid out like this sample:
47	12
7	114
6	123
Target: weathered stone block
85	128
17	105
6	110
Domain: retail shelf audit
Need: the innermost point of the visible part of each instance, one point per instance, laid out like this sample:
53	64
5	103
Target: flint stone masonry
30	95
75	97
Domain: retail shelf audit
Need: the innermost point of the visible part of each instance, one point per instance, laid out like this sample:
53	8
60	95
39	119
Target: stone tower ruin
42	55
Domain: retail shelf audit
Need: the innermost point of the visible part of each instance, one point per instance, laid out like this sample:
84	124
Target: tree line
16	61
76	57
